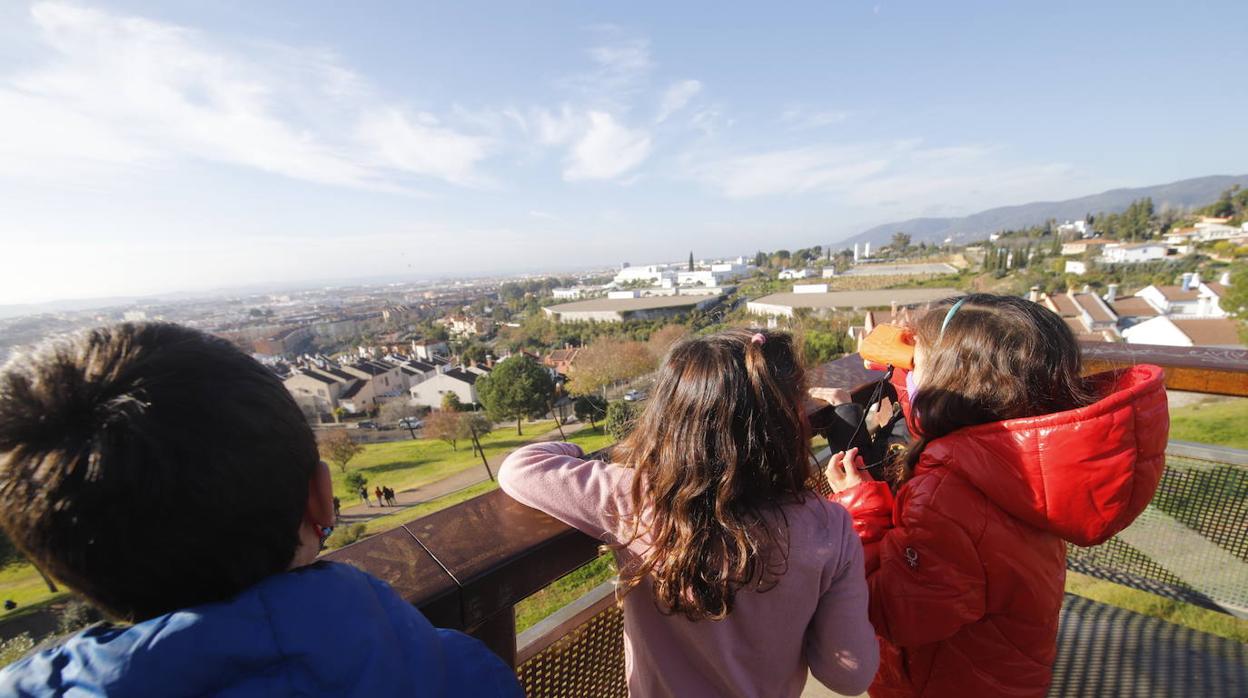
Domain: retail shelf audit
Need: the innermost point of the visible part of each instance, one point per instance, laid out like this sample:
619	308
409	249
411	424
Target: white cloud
676	98
135	92
798	118
606	150
902	176
794	171
420	145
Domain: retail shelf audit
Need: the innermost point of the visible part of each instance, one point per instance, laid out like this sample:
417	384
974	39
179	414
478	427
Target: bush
621	417
345	535
15	648
77	615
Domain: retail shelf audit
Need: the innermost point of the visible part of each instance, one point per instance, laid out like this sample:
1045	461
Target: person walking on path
381	502
364	496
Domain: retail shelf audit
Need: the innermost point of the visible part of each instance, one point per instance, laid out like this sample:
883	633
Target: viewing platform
466	567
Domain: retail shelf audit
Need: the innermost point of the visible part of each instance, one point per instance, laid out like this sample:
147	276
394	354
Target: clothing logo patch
912	558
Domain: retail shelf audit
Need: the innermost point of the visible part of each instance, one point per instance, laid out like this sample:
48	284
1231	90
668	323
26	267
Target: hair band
949	316
759	338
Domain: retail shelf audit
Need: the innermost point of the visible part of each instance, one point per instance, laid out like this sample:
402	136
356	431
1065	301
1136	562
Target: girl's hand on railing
843	470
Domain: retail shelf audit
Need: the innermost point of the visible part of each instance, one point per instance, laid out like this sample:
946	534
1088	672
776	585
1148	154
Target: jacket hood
1083	474
324	630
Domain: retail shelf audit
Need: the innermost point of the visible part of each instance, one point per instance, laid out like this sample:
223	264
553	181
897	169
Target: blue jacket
324	630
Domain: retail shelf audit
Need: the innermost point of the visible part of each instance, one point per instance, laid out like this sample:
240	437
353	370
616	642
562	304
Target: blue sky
151	147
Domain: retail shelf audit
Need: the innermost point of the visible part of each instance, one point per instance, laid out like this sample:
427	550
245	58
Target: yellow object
889	345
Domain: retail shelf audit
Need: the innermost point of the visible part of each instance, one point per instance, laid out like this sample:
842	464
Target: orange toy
889	345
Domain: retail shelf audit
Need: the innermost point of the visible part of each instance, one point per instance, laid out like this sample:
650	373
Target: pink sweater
815	617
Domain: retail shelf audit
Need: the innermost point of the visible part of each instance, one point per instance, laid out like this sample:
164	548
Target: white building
1079	228
1191	332
462	383
786	304
1192	298
1073	267
1134	254
428	349
568	294
795	273
653	273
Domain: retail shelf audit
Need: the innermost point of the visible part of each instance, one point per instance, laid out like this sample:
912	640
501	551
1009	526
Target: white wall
429	393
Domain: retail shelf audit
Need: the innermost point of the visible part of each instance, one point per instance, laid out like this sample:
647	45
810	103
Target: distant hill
1182	194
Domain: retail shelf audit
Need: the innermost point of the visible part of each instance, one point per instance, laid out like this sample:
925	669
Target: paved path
359	513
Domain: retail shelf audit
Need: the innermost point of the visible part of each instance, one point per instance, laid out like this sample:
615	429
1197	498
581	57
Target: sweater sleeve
929	581
588	495
840	644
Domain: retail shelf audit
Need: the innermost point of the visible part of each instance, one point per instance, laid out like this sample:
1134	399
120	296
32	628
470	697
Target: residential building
1076	267
1079	228
1189	332
1191	298
561	360
464	326
314	391
568	294
429	393
1134	254
1209	229
427	349
1090	318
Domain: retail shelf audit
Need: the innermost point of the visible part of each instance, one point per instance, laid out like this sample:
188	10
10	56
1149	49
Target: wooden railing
467	566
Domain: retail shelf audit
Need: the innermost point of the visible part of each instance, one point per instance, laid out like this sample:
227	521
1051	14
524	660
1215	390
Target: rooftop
1134	307
626	304
1210	331
900	269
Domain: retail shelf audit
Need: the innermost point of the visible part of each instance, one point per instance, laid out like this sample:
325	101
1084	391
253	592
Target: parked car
634	396
410	423
368	424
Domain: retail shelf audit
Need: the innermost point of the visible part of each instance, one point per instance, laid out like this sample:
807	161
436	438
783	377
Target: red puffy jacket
966	568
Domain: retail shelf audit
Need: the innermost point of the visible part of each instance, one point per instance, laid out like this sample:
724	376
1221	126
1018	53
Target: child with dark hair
172	481
1015	454
736	578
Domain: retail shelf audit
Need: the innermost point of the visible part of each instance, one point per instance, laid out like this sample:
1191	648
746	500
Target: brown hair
151	467
724	438
998	358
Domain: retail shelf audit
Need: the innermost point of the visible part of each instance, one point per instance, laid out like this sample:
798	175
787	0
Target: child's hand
832	396
880	414
842	470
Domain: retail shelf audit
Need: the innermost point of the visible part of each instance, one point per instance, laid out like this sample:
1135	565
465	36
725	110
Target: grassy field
563	592
1176	612
412	463
22	583
1220	423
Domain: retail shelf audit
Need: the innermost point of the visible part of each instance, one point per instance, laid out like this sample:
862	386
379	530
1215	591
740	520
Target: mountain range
1185	193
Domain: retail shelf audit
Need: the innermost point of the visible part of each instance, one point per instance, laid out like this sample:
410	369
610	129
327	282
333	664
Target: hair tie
759	338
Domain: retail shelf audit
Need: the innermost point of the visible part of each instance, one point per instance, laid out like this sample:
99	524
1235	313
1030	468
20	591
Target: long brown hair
724	438
998	358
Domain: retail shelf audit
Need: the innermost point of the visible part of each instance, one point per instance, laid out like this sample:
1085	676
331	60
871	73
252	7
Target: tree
900	242
451	403
760	259
821	347
516	388
691	260
339	448
591	407
1235	300
477	425
356	480
621	418
607	361
446	425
